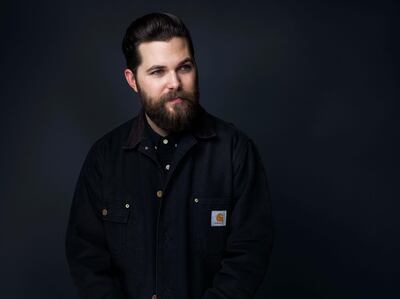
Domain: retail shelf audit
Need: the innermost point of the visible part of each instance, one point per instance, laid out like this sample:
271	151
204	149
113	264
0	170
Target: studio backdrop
314	84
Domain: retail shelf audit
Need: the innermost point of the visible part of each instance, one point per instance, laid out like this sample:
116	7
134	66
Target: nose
174	81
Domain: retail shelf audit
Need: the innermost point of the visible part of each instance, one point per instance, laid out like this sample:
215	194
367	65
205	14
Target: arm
86	250
249	243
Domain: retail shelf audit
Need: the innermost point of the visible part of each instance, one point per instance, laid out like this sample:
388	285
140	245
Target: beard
182	117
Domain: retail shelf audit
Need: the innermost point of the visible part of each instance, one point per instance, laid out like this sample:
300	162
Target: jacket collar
203	128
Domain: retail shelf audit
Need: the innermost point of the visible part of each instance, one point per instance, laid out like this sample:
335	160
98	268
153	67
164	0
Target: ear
130	78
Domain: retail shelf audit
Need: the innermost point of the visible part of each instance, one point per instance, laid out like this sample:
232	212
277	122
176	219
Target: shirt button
104	212
176	145
167	167
165	141
159	193
196	200
155	146
127	205
146	148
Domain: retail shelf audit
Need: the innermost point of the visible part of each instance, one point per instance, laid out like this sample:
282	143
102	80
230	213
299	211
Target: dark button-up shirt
202	231
163	146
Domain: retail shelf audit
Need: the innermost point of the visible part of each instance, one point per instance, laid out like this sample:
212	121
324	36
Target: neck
156	128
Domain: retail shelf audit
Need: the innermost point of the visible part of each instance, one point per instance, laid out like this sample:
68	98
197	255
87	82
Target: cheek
152	88
189	82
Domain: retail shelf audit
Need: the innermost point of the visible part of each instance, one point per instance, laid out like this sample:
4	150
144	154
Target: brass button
159	193
104	212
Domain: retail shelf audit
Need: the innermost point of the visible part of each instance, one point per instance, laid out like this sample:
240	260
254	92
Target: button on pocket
115	225
212	216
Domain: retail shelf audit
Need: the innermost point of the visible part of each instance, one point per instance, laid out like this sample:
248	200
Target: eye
156	72
185	67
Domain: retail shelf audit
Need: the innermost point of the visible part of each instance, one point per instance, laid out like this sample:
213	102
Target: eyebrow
153	67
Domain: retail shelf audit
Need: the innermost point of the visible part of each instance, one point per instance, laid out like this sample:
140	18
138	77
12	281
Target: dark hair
152	27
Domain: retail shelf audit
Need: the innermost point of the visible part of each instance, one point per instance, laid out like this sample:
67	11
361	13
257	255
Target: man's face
166	81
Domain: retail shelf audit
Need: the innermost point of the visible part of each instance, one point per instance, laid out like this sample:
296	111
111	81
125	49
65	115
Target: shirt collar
155	138
203	128
153	135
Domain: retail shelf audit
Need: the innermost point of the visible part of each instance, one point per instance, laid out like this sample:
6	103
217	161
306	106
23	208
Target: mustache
172	95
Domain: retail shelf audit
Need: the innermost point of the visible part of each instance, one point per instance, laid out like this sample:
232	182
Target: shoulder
244	150
239	142
228	131
113	140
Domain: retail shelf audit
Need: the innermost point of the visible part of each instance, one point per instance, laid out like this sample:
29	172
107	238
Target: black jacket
202	231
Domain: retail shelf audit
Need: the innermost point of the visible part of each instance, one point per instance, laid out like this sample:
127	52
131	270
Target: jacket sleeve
86	250
249	242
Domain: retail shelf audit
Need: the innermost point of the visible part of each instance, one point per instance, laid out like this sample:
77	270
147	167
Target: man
173	203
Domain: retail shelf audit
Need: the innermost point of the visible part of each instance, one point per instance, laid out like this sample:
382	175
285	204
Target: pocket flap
115	214
213	201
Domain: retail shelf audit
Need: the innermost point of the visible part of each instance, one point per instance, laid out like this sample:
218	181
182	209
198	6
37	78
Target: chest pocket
115	219
211	223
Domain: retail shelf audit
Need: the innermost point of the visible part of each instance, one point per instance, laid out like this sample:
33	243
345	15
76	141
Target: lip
176	100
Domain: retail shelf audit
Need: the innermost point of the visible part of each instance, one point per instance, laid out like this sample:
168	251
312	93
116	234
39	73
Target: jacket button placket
159	195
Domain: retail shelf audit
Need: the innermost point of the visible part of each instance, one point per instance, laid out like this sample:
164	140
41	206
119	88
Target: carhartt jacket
203	231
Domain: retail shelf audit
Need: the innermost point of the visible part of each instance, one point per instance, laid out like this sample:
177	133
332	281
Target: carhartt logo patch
218	218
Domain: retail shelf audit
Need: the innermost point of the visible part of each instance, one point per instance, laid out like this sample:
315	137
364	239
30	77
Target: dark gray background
315	84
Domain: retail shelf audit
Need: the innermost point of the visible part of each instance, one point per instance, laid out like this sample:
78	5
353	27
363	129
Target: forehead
166	53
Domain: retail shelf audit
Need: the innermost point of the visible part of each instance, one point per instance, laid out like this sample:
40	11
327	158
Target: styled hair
152	27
